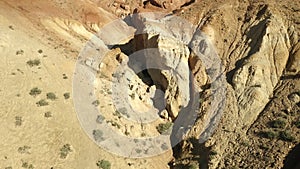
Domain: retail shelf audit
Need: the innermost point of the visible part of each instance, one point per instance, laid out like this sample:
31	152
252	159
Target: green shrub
279	123
35	91
24	149
297	124
65	150
18	121
103	164
193	166
286	136
96	103
42	102
35	62
51	96
48	114
268	134
66	95
163	127
98	135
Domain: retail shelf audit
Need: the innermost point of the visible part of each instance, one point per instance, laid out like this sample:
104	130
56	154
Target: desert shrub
268	134
19	52
51	96
163	127
48	114
100	119
66	95
286	136
297	124
117	113
96	103
279	123
103	164
98	135
42	102
65	76
24	149
115	124
193	166
35	91
138	151
35	62
40	51
65	150
18	120
27	165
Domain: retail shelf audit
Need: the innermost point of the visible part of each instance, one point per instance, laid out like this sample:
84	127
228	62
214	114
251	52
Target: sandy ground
23	123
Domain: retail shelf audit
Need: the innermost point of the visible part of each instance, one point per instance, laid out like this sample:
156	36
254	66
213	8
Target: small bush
297	124
65	150
35	62
48	114
18	121
193	166
24	149
40	51
51	96
103	164
163	127
286	136
20	52
100	119
96	103
268	134
98	135
279	123
66	95
42	102
35	91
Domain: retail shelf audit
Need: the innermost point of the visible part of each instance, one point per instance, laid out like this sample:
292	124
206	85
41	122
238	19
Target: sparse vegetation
65	150
163	127
35	91
48	114
103	164
138	151
20	52
18	121
35	62
96	103
65	76
51	96
279	123
286	136
268	134
42	102
67	95
193	166
98	135
117	113
100	119
24	149
113	123
40	51
297	124
27	165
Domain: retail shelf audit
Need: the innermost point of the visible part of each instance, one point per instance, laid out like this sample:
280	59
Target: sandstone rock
294	97
168	58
